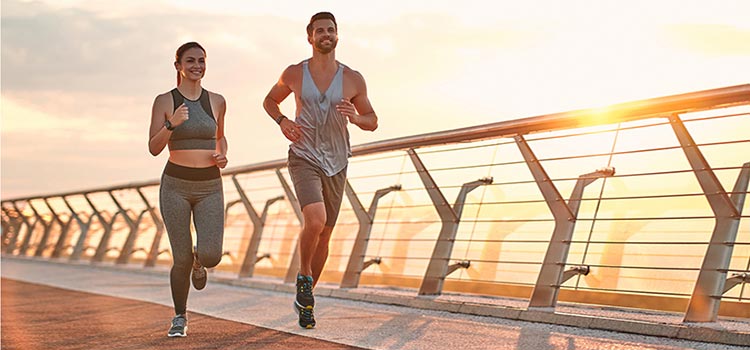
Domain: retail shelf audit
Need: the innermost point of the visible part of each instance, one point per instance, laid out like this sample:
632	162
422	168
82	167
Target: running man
328	96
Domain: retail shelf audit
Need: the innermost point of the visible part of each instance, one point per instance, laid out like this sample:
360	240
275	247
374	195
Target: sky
78	77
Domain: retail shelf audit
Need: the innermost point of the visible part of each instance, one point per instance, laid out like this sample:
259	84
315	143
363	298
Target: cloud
75	50
80	76
78	88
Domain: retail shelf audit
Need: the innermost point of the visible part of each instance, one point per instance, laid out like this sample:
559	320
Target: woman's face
192	65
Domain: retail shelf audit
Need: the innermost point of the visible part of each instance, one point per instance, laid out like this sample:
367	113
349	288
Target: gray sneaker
179	327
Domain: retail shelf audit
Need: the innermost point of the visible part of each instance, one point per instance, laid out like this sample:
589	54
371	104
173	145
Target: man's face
324	37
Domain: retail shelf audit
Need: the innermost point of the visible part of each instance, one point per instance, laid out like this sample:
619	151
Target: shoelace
305	288
178	321
198	270
196	263
307	314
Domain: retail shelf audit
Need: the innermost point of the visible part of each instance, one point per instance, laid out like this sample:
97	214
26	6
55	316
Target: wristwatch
168	125
280	118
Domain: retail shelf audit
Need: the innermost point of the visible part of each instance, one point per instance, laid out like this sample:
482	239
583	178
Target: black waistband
192	174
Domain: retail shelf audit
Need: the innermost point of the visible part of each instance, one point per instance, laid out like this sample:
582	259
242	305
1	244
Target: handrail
621	112
585	258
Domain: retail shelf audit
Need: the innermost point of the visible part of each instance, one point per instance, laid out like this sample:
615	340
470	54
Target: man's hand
291	130
346	108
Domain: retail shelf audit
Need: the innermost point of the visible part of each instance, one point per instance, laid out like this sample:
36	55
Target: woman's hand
220	160
180	115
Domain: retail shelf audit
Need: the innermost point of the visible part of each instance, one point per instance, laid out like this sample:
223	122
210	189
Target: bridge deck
48	305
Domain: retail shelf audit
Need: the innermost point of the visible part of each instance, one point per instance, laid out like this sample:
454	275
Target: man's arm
278	94
358	109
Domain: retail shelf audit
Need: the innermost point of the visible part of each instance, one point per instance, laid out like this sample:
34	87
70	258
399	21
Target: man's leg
310	184
321	253
333	193
315	218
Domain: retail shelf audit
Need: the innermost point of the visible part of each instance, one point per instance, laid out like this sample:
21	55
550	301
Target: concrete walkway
41	317
341	319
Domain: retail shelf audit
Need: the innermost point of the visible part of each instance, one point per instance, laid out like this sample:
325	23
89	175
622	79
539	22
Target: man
328	95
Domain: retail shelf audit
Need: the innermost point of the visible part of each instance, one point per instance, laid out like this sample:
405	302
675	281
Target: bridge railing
640	204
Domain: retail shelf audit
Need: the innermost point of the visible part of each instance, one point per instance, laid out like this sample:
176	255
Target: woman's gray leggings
178	198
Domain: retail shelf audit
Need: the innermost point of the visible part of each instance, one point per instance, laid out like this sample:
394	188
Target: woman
190	120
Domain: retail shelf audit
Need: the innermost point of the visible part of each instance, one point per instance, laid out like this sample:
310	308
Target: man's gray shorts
312	185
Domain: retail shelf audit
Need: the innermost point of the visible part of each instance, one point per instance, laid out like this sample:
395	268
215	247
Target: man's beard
326	50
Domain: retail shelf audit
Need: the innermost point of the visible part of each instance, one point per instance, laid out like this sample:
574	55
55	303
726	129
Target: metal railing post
153	252
29	231
16	222
552	272
127	247
438	267
251	253
228	206
84	230
47	226
103	247
7	227
62	238
365	218
709	286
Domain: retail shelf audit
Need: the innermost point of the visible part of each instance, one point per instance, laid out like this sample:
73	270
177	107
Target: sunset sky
79	76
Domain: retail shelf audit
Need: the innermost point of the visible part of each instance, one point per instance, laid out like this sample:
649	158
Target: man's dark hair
320	15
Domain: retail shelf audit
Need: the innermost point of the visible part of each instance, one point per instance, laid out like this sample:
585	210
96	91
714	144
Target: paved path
41	317
243	310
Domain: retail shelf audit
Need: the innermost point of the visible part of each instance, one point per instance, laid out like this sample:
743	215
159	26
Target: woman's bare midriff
193	158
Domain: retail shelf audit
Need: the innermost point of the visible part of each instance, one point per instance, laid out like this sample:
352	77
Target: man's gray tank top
325	138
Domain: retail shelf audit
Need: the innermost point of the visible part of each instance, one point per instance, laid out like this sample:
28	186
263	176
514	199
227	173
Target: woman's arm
160	112
158	133
220	157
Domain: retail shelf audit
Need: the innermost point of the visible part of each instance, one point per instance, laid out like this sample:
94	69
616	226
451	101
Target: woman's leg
175	211
209	223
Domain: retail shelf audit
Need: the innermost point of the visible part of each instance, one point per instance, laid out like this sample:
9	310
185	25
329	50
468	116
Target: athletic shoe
199	275
179	327
305	302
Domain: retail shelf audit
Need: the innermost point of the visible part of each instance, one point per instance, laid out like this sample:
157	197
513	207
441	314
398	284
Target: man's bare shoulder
353	76
295	68
351	73
292	73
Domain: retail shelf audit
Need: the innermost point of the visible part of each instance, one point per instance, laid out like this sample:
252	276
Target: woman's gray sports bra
199	130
